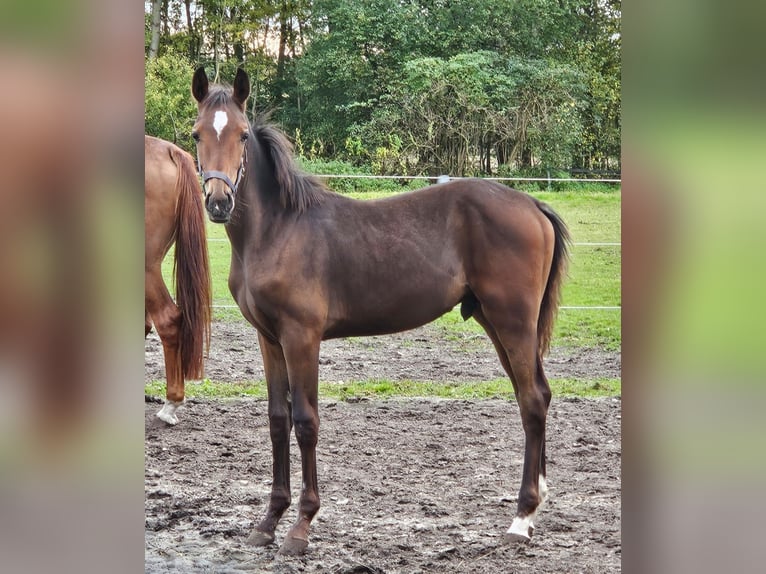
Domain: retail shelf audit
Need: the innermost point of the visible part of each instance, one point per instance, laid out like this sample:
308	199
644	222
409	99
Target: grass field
382	389
594	280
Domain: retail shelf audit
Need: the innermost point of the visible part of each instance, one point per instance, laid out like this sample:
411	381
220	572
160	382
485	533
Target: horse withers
174	214
308	264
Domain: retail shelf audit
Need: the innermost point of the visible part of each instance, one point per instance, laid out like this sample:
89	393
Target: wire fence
445	178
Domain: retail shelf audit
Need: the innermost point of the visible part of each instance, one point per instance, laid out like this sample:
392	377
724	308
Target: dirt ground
407	486
422	354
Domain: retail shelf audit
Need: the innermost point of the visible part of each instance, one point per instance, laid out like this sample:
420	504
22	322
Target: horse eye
245	136
195	137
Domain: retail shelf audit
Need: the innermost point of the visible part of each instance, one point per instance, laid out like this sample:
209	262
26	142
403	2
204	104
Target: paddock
407	485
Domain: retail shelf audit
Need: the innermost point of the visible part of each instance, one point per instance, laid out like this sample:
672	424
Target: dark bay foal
309	265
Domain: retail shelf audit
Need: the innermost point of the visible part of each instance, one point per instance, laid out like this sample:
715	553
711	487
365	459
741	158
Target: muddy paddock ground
406	485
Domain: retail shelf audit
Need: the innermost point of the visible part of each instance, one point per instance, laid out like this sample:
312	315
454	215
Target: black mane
297	190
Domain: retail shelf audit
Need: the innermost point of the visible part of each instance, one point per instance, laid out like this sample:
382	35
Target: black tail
559	264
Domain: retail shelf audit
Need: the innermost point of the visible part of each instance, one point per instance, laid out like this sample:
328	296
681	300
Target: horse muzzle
219	196
219	206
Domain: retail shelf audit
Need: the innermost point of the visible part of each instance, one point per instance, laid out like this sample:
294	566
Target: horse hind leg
516	346
167	320
521	529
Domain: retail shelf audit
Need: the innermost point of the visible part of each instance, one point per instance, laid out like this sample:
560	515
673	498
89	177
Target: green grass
384	389
594	277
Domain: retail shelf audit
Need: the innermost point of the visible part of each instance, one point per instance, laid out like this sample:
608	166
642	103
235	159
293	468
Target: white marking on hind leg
168	412
522	528
542	488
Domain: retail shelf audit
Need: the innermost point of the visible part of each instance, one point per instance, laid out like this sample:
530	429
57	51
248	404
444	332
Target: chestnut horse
173	213
308	264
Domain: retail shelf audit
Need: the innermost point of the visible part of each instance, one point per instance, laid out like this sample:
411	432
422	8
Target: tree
355	51
155	28
468	113
503	83
169	108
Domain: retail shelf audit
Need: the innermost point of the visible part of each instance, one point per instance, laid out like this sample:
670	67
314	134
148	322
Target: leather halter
214	174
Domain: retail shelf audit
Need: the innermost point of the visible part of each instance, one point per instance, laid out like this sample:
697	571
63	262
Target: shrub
170	110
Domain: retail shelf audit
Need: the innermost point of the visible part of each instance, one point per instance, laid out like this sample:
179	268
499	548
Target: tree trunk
193	41
239	48
165	19
502	154
526	156
154	46
283	19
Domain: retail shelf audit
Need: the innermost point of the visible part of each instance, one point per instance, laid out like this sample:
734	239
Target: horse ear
241	87
199	84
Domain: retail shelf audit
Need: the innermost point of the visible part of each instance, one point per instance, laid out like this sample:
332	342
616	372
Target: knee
306	430
279	426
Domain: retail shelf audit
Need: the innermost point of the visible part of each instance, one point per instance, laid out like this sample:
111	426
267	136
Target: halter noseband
213	174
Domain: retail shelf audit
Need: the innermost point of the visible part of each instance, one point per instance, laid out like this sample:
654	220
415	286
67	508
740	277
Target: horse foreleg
302	354
280	425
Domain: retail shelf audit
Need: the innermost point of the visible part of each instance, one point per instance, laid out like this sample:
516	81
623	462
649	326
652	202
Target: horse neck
258	211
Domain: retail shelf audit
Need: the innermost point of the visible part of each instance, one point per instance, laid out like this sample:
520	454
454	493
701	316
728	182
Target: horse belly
394	309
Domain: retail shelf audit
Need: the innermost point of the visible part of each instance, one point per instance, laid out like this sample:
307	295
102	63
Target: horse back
364	268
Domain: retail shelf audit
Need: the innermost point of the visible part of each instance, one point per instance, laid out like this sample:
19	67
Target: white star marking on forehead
219	122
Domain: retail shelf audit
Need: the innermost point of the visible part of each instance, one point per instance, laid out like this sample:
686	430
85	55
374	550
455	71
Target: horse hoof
520	531
258	538
168	412
293	547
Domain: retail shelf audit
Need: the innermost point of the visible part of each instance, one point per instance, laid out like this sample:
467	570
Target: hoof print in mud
258	538
293	547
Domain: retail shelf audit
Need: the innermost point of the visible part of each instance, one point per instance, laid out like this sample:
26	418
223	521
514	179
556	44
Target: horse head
221	132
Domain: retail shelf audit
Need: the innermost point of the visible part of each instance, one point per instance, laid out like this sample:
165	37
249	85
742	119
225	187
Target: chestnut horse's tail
552	296
191	268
